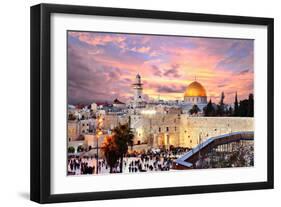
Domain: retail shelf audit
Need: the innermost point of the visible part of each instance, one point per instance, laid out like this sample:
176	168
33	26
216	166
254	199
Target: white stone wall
192	129
163	127
196	99
183	130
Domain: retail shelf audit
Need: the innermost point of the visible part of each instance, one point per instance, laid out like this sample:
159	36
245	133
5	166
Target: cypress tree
236	106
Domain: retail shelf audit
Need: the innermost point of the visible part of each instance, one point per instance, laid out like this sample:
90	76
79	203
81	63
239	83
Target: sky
103	66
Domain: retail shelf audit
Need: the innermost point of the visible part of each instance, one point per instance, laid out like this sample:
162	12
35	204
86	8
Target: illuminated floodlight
148	112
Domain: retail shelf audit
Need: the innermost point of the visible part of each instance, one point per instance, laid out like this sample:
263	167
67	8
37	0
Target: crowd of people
159	160
146	163
85	165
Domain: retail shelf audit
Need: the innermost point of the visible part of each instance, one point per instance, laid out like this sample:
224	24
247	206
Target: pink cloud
97	39
155	60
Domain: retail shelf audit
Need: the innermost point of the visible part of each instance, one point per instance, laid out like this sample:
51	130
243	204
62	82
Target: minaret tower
137	90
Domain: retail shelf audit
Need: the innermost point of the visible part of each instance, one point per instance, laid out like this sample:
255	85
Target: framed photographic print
132	103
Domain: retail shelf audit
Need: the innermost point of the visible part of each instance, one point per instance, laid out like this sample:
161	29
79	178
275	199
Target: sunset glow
102	66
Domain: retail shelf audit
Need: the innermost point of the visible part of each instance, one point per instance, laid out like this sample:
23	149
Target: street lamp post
150	132
199	153
99	132
97	157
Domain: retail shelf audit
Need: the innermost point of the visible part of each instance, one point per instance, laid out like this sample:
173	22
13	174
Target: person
71	165
90	170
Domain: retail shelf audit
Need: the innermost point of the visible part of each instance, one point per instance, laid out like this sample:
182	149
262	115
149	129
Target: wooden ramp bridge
188	160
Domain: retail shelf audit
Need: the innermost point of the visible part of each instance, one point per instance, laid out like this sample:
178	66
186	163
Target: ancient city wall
183	130
194	129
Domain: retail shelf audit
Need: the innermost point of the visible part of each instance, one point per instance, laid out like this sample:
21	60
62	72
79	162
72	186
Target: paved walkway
129	163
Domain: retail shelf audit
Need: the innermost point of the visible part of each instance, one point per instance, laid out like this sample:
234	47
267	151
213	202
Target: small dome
195	89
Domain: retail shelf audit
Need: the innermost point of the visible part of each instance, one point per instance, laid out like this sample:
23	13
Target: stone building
75	128
181	130
158	123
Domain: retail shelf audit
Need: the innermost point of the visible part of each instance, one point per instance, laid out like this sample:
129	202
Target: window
167	129
159	129
191	141
175	129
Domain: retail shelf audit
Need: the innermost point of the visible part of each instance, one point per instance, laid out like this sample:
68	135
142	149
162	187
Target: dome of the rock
195	93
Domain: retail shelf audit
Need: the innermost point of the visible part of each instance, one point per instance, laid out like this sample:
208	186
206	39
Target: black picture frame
41	98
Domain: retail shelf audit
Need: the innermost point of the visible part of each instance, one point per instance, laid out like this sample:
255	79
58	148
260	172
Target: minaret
137	90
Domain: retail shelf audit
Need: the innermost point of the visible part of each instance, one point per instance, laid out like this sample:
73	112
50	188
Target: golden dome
195	89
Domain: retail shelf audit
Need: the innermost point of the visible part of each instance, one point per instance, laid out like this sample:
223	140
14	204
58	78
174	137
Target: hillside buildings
157	123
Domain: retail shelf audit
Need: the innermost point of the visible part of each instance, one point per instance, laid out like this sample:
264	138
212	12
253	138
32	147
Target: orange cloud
170	62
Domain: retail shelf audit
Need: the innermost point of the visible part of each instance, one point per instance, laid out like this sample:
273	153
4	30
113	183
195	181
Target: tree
194	110
209	109
221	106
222	98
111	153
80	148
230	111
246	107
70	149
251	105
236	106
123	138
243	108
